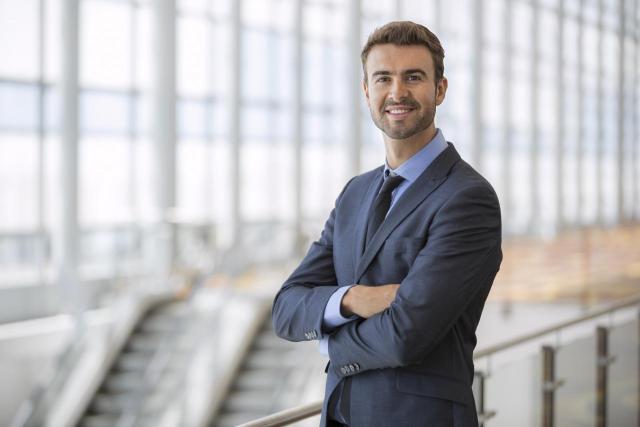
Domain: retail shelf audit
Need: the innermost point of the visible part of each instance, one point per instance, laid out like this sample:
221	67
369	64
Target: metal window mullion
326	109
272	137
507	157
560	128
478	75
399	10
580	184
534	220
234	136
67	259
209	157
134	96
164	126
298	124
599	120
41	227
620	163
437	12
354	131
636	116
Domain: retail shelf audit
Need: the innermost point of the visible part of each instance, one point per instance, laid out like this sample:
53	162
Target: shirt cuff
332	316
323	345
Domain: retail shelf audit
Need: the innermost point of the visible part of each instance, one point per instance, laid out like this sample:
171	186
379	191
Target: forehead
391	57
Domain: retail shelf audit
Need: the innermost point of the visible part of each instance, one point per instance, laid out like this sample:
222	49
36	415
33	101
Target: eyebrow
406	72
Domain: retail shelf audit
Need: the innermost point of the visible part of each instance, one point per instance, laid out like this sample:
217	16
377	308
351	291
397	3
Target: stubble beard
399	130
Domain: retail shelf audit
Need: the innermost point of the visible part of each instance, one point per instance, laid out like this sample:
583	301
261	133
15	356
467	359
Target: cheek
375	101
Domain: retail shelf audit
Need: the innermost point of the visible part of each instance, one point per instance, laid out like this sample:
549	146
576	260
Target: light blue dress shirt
410	170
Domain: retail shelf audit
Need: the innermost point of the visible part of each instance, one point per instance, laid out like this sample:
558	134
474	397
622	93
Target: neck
399	151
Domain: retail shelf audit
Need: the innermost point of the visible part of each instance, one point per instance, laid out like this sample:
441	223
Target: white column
164	124
66	244
354	87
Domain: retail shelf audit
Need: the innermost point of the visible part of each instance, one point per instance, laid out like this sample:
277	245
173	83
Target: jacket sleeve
462	256
298	307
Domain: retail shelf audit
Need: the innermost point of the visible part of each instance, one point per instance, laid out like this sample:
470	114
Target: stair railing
549	384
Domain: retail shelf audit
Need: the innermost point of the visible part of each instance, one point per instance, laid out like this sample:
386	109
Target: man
395	285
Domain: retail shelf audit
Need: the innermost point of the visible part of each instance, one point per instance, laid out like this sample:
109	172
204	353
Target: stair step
128	381
174	310
160	324
123	382
272	341
112	404
147	343
250	401
111	421
99	420
273	360
256	380
233	419
151	342
133	361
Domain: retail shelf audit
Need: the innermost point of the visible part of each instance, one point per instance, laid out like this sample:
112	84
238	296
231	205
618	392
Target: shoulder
466	186
362	181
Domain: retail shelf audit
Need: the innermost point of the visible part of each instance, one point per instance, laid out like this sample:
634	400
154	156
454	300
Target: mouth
398	112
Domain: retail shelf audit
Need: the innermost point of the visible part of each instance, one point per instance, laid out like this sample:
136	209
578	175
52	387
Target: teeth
398	111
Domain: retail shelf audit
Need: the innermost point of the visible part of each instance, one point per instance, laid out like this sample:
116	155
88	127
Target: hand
365	301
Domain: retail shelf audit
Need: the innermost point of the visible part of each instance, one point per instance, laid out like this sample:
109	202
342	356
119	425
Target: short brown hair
406	33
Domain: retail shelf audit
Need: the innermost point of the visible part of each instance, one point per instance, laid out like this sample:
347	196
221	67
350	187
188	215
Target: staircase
149	365
273	370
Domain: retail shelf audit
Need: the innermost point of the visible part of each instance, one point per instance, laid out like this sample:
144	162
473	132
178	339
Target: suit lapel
430	179
363	215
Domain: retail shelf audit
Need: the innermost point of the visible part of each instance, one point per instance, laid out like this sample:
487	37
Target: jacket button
356	366
343	370
352	368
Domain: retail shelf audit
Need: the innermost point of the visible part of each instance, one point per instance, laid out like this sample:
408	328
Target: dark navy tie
381	204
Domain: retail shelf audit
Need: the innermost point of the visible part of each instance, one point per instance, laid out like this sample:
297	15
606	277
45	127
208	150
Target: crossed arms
399	324
365	301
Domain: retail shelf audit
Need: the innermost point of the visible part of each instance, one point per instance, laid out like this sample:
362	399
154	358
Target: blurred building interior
164	164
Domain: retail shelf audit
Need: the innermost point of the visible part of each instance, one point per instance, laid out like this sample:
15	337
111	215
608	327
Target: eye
414	77
382	79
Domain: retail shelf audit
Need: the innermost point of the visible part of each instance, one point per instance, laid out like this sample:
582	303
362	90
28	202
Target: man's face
401	90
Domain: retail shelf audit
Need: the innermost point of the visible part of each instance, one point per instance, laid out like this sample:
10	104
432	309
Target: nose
398	90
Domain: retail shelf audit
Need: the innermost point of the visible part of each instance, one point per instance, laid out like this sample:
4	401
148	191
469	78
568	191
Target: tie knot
391	183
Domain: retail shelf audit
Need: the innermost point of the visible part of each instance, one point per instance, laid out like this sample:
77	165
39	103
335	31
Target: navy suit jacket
442	243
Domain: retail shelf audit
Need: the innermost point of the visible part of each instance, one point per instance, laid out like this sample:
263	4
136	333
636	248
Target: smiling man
394	287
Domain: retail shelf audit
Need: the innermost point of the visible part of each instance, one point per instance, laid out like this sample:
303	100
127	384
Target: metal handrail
289	416
592	314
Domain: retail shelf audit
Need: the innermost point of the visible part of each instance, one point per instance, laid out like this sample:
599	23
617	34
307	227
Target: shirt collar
413	167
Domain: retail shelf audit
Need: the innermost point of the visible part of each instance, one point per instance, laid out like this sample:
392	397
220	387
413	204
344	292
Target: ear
441	90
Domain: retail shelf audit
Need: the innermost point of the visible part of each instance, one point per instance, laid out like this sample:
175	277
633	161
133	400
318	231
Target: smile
398	112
